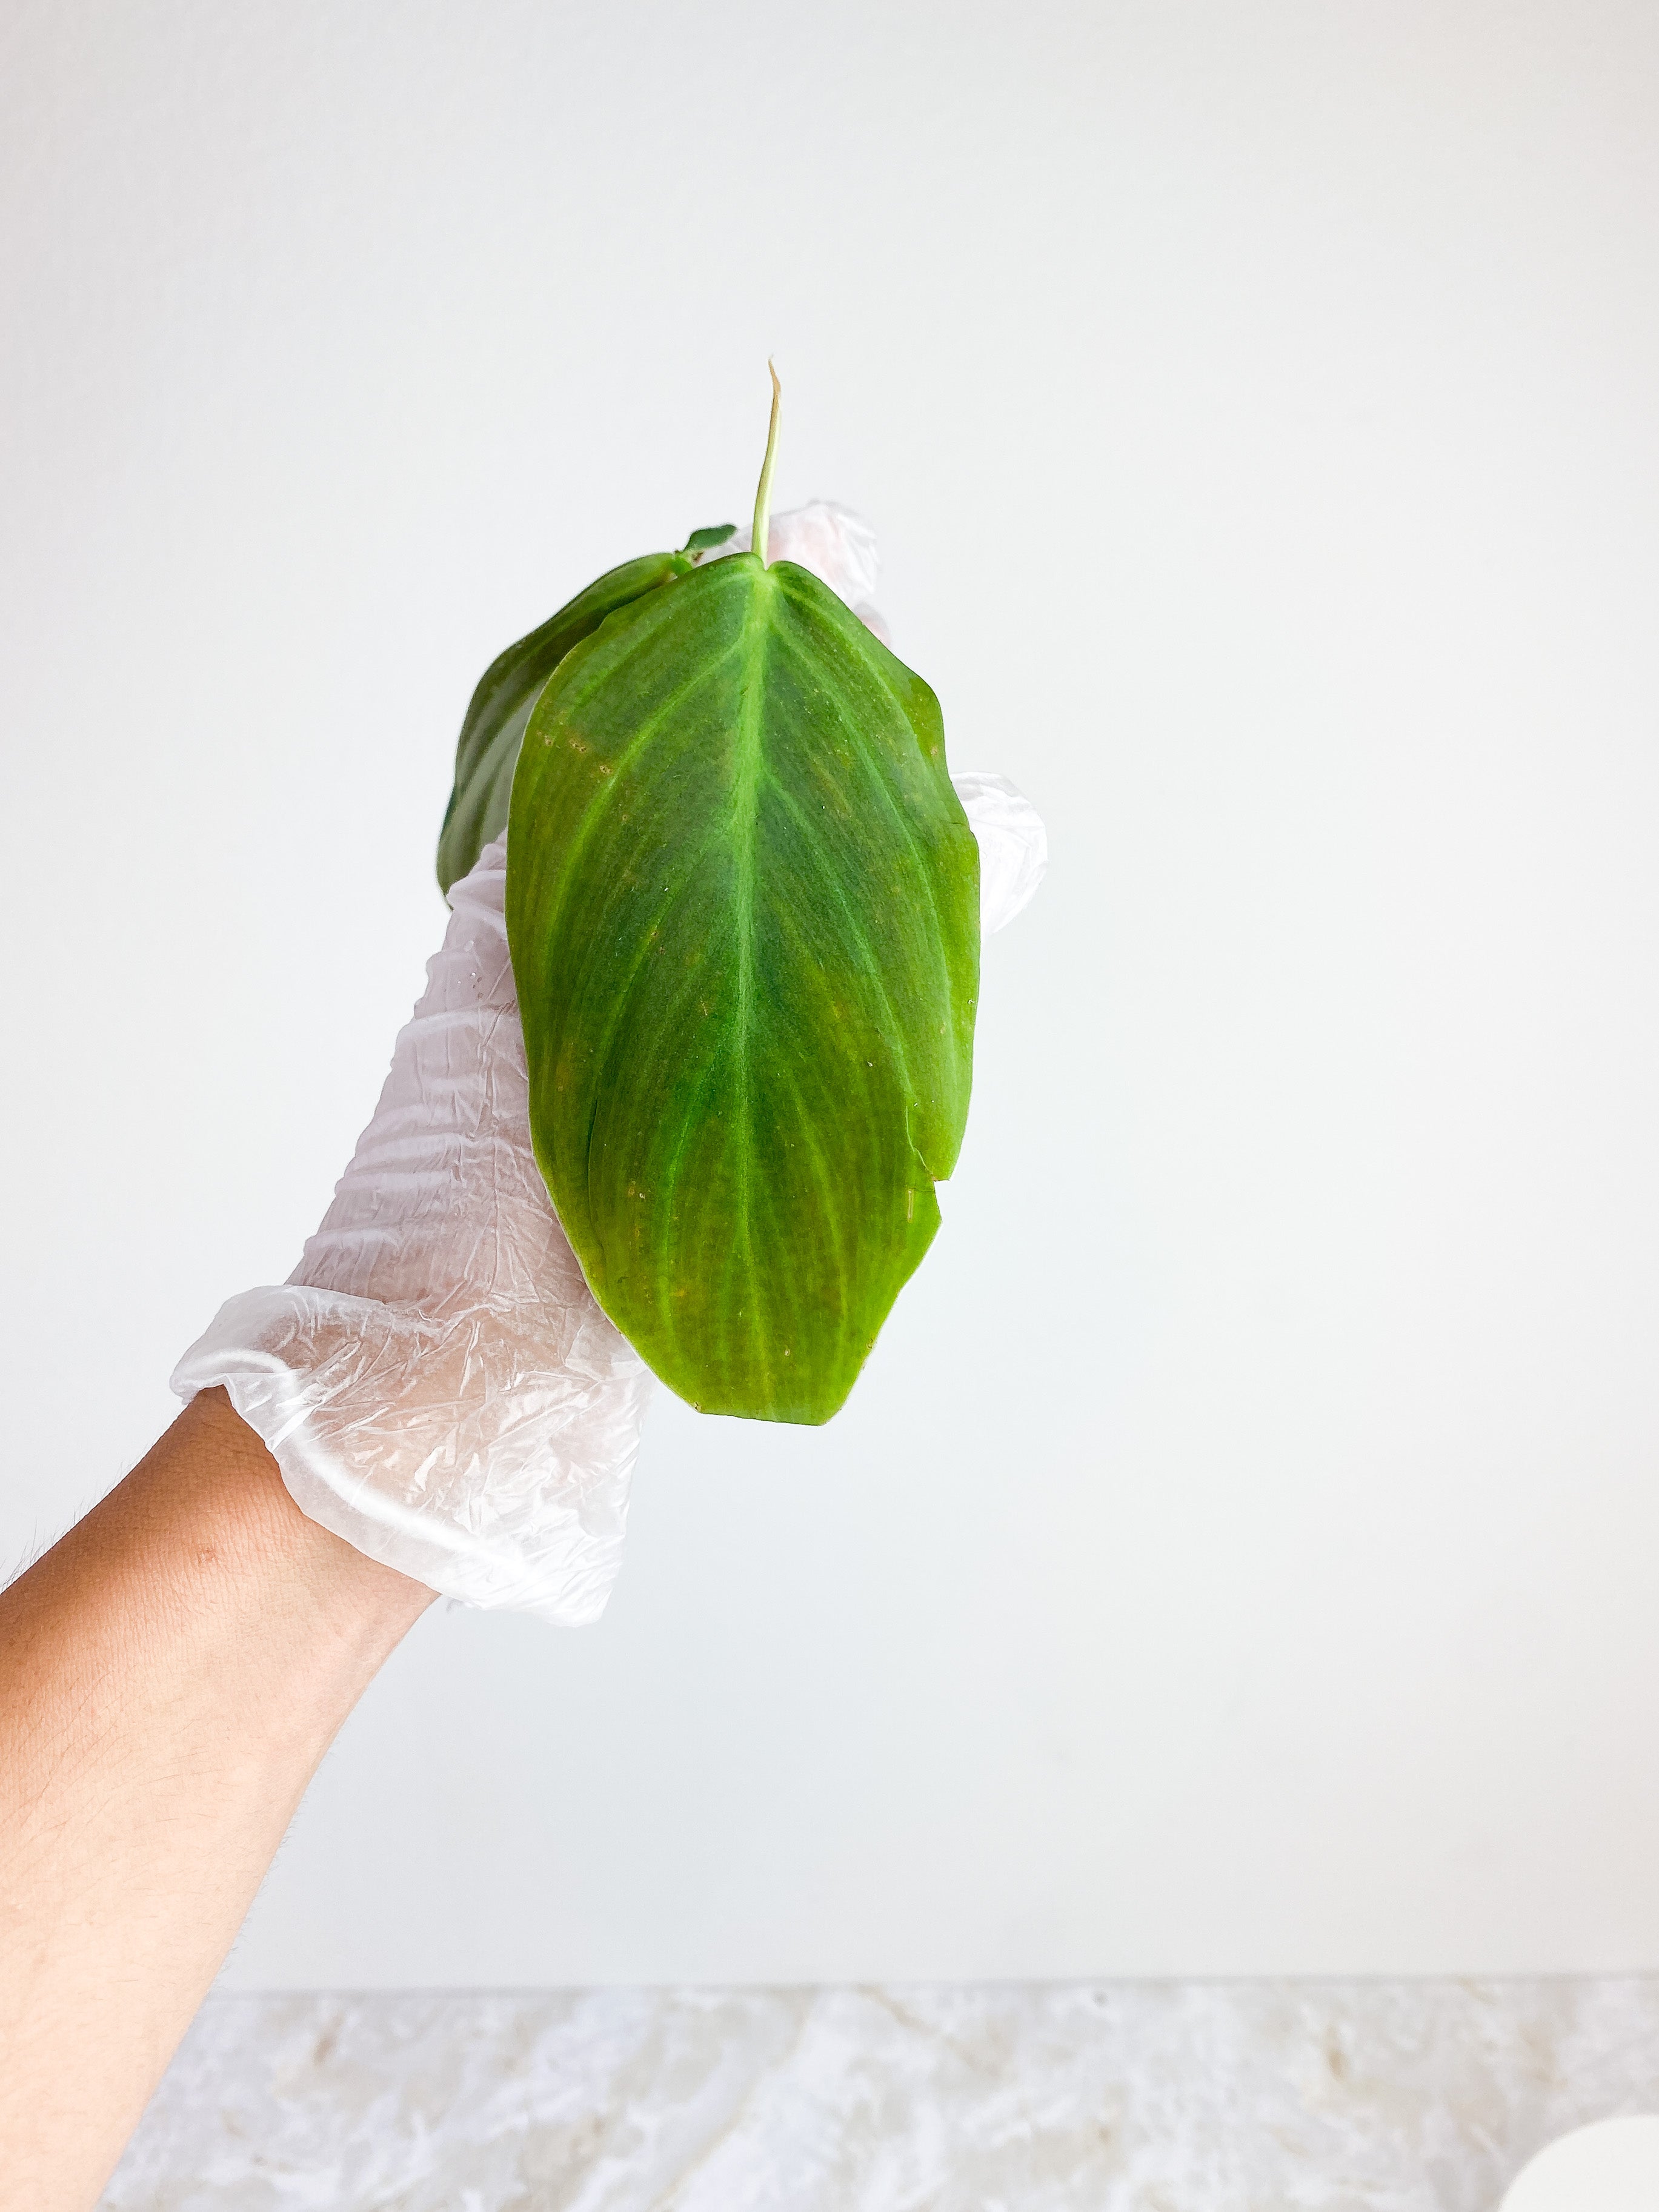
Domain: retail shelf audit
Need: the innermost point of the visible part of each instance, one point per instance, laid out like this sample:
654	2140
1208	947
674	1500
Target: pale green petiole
763	490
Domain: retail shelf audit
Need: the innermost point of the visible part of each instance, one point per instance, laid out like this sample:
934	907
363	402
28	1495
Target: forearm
170	1675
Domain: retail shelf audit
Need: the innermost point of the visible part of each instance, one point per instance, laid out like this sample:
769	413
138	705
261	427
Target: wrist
235	1519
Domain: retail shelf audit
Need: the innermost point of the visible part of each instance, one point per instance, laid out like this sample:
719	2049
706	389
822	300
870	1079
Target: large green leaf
743	905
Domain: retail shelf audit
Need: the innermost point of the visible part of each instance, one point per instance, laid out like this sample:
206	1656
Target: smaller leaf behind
487	751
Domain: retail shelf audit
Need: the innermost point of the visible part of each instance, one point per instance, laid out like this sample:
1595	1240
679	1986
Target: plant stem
763	492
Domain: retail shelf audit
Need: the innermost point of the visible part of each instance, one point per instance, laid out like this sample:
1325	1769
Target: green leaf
704	541
743	905
488	751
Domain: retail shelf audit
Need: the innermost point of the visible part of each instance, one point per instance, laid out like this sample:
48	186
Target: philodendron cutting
713	998
742	905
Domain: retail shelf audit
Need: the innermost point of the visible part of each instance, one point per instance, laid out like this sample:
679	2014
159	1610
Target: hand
435	1380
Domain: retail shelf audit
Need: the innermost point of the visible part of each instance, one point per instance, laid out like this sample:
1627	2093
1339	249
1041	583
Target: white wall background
1241	1554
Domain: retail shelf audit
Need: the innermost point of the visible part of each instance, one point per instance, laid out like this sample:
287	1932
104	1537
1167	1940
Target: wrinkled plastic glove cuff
292	1359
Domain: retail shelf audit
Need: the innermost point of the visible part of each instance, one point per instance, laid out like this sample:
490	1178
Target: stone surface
1263	2097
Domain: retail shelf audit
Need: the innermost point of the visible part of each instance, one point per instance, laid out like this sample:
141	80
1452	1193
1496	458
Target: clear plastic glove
435	1380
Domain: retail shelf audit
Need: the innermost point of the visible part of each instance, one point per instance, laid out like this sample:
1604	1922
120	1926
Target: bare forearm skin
170	1675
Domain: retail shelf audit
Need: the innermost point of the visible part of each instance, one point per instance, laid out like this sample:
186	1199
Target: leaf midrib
749	765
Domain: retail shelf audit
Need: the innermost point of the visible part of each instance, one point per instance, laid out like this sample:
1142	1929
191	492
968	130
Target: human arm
432	1403
436	1386
171	1673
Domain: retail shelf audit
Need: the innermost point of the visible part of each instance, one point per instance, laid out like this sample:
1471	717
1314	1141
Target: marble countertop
1096	2097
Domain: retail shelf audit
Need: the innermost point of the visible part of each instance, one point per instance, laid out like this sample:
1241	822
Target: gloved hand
435	1380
